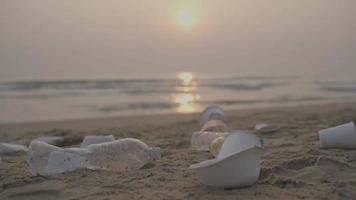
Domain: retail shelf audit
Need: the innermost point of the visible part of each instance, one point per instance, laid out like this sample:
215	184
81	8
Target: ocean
28	101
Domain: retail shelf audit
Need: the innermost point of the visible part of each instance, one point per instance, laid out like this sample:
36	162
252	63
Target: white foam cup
343	136
237	165
237	170
236	142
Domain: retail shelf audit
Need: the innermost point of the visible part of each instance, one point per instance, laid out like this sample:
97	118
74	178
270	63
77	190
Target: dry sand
293	166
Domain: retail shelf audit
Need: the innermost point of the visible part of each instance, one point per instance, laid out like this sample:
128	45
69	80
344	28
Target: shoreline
113	121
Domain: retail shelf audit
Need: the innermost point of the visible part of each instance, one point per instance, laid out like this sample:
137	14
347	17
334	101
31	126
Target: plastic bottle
118	155
201	141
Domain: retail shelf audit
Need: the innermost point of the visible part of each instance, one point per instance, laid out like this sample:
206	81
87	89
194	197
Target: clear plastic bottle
118	155
121	155
201	141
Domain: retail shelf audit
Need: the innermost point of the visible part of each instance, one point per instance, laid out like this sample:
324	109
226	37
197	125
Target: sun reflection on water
186	98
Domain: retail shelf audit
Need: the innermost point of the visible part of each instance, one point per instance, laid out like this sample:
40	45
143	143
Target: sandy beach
293	165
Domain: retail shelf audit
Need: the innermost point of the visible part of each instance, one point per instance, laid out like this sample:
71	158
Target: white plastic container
201	141
343	136
96	139
119	155
213	112
237	165
215	126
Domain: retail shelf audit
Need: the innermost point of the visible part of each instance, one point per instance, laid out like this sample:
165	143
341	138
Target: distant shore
293	166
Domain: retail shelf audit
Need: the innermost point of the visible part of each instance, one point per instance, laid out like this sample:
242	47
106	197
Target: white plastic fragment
237	164
343	136
96	139
266	128
10	148
213	112
201	141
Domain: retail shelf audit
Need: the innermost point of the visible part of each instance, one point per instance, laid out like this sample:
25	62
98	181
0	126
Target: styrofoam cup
343	136
237	170
237	164
210	113
239	141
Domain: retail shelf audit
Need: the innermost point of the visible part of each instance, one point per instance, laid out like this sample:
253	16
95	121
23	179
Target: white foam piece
237	170
237	165
343	136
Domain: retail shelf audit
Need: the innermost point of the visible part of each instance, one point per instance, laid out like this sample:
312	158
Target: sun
185	18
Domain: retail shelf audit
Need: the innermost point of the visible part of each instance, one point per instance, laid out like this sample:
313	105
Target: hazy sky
133	38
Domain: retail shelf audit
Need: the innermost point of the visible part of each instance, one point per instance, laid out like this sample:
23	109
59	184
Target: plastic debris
118	155
343	136
237	164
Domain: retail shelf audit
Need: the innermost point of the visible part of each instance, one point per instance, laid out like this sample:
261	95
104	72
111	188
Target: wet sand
293	166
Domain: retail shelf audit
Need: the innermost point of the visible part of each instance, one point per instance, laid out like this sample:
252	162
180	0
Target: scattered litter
96	139
10	148
118	155
266	128
213	112
343	136
237	164
214	126
201	141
